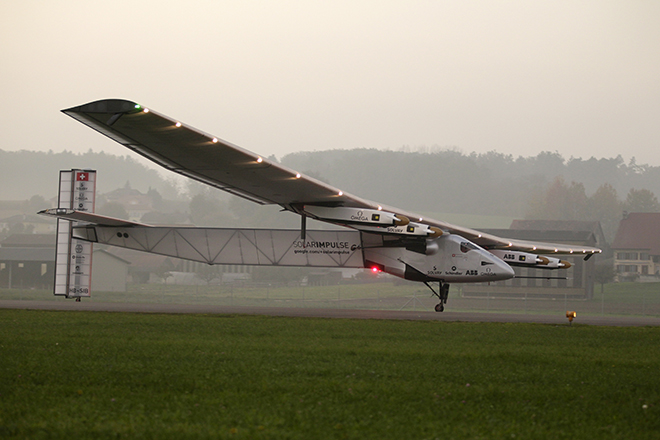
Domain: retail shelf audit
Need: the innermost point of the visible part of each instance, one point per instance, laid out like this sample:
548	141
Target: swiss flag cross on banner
82	177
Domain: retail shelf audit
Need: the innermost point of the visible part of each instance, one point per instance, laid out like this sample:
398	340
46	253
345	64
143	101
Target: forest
545	186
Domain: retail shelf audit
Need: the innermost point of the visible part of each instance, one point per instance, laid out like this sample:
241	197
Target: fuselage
449	258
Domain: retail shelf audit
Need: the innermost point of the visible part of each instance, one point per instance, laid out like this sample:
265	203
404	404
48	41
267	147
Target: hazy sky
578	77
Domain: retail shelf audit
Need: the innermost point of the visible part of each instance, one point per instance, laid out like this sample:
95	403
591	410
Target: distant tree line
449	181
27	173
562	201
442	181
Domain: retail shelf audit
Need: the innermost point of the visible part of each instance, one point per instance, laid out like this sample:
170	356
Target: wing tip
109	106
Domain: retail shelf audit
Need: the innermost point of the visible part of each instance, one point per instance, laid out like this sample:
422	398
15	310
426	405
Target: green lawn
122	375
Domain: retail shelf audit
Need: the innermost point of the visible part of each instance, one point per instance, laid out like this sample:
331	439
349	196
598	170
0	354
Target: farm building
637	247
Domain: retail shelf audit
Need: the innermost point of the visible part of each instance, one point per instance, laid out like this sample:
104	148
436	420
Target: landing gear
442	294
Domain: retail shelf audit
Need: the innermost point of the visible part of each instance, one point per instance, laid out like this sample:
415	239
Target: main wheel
439	307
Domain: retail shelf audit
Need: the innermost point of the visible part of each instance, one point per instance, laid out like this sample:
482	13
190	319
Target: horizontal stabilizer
88	217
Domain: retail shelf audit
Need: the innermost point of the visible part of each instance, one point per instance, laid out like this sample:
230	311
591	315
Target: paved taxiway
326	313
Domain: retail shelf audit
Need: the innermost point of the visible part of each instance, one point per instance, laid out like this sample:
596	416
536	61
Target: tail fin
73	257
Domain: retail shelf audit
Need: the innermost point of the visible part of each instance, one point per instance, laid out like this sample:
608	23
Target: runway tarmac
559	319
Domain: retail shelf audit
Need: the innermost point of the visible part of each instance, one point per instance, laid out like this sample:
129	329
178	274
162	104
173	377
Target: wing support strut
303	227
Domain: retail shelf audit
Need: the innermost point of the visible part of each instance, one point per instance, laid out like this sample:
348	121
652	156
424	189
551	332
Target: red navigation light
375	269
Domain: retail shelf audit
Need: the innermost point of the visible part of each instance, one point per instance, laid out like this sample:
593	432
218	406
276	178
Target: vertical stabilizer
73	257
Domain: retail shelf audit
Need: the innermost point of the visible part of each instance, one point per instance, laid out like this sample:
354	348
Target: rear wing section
73	257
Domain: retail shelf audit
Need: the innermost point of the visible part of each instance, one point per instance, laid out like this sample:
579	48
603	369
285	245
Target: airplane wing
206	158
211	160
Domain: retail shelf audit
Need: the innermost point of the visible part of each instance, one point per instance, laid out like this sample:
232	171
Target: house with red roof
135	203
637	247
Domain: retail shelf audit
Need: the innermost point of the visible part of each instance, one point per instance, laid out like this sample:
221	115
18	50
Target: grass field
121	375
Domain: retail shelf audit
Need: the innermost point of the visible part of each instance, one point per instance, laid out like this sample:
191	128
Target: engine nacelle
412	229
347	215
525	259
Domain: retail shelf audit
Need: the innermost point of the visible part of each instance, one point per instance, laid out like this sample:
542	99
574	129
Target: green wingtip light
138	106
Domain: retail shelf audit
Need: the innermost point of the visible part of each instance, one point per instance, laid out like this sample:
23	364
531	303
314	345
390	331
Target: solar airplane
372	235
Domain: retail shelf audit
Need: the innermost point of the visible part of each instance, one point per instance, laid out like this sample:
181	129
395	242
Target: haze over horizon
578	78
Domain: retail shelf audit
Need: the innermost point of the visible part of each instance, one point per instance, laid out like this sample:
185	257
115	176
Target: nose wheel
442	294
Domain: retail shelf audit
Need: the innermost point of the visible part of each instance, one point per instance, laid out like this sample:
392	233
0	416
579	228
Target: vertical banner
73	257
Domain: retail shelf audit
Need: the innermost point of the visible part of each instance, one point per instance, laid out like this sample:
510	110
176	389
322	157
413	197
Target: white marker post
73	257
